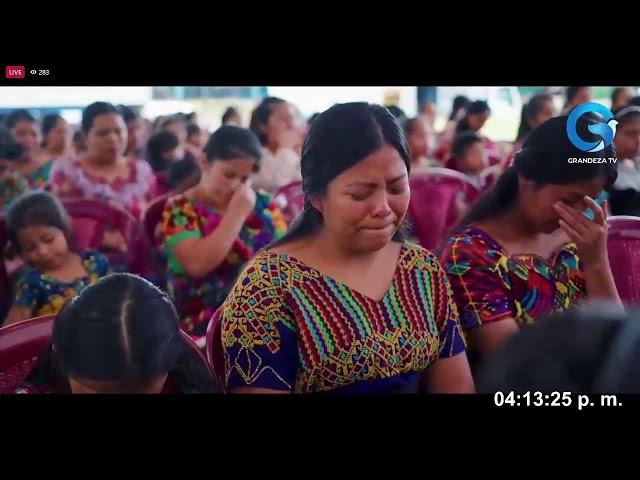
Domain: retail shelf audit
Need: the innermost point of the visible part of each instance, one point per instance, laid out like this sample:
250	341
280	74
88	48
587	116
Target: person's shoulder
177	201
266	270
142	167
94	256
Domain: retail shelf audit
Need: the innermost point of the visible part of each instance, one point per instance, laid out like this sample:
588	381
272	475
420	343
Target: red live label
15	72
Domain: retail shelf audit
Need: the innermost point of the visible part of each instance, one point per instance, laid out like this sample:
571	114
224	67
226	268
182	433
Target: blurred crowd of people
334	299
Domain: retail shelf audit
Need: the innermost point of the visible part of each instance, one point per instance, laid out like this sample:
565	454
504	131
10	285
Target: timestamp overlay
555	400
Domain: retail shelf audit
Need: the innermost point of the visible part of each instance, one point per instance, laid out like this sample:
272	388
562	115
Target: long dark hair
260	116
474	108
460	102
338	139
529	111
544	160
121	329
48	123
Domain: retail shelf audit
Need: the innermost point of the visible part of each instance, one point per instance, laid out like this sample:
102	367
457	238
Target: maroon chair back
432	207
155	267
5	284
215	352
20	346
195	350
290	198
92	218
152	217
623	245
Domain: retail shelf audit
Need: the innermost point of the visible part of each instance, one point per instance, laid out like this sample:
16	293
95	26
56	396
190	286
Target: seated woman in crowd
417	134
476	115
196	139
470	158
526	249
575	96
273	121
12	184
103	172
34	166
620	98
56	137
163	149
341	304
624	194
38	229
214	228
535	112
120	335
135	133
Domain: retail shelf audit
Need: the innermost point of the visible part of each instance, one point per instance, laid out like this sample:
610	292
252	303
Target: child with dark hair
56	136
274	122
12	184
231	117
120	335
526	249
135	133
575	96
183	175
624	194
212	229
535	112
163	148
418	140
38	229
620	97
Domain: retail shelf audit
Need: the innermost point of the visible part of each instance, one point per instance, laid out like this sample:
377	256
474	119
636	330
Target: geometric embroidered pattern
286	325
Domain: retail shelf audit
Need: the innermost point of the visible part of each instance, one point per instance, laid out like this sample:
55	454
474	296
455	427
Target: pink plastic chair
432	207
623	244
20	346
92	218
215	352
290	199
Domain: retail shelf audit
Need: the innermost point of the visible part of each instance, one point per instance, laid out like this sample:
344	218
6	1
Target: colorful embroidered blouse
45	295
489	284
70	179
197	298
286	326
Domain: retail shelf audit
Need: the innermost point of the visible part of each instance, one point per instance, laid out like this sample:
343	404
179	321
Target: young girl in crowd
535	112
342	304
624	195
38	230
211	230
417	134
274	122
34	166
526	249
103	172
120	335
56	137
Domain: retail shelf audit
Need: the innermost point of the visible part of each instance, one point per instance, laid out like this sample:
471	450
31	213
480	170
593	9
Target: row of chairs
22	343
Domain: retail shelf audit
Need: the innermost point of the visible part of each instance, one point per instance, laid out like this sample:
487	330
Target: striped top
286	326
